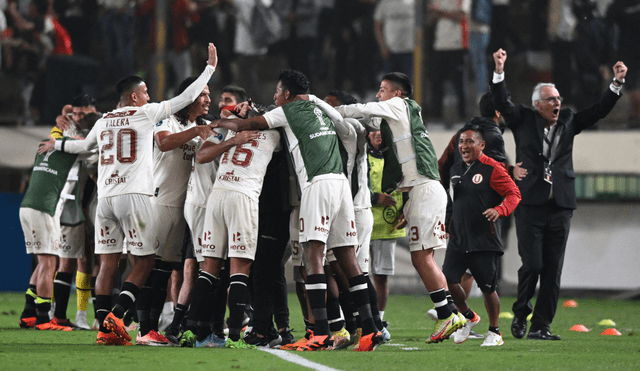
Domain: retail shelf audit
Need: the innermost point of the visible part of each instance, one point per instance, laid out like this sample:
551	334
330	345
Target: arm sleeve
78	146
391	109
502	103
505	186
160	111
276	118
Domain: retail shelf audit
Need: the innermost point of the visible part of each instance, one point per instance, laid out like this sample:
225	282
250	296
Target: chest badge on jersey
158	124
477	179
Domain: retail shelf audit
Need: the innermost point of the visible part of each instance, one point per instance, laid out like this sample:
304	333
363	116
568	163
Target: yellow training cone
505	315
606	322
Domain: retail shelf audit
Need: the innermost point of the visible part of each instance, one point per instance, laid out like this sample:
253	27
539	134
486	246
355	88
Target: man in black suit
544	145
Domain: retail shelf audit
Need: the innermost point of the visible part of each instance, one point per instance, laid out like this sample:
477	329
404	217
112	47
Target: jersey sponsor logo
477	179
321	229
116	123
218	136
160	123
115	179
46	169
424	135
133	234
229	176
321	134
136	244
351	234
324	220
238	247
107	241
236	237
390	214
111	115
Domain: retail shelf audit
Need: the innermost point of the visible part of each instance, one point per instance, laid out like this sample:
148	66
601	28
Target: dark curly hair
294	81
343	97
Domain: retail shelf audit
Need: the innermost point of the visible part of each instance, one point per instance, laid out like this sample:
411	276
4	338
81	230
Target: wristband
618	81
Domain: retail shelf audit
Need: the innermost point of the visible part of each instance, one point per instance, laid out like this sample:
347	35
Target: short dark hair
90	119
127	84
294	81
343	97
238	92
475	128
83	100
401	80
487	109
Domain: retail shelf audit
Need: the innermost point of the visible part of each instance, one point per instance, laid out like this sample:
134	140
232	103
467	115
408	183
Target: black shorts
482	264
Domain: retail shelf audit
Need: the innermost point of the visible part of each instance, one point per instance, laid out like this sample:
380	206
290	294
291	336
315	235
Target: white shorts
72	242
425	214
230	225
326	213
194	215
129	219
383	257
297	252
364	226
41	231
170	233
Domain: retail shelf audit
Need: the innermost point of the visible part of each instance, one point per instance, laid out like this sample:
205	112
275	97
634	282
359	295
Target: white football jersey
171	169
124	138
203	175
242	168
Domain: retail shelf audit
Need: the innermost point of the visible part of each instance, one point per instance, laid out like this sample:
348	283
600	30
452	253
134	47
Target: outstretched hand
213	56
499	58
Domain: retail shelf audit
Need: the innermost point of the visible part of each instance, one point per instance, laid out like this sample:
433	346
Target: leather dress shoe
542	335
519	327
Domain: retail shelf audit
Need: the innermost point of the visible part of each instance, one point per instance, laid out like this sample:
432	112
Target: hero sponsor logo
324	220
105	240
203	242
237	243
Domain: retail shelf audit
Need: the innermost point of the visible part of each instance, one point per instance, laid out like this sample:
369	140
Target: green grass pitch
409	327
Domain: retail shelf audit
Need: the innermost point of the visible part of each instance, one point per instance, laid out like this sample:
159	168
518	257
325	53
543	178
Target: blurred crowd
345	44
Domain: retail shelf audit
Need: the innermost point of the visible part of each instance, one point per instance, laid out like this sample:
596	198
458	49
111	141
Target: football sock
126	299
495	330
316	287
43	306
452	305
359	290
439	299
179	314
30	302
333	313
201	303
93	294
102	305
159	291
237	303
62	291
373	298
83	289
143	305
468	314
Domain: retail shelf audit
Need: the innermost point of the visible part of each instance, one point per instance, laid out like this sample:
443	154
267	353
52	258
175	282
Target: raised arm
499	92
162	110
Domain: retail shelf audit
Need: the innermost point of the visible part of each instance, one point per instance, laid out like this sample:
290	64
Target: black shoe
173	334
272	339
287	336
385	324
542	335
519	327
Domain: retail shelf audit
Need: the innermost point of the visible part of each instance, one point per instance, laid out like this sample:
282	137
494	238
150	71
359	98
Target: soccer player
231	228
73	252
326	207
411	166
124	138
173	153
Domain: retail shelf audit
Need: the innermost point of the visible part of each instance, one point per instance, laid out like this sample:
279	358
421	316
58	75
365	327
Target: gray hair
536	92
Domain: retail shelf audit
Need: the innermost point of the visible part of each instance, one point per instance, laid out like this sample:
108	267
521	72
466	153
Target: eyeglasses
552	99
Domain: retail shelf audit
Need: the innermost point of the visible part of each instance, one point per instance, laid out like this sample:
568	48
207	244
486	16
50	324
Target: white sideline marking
293	358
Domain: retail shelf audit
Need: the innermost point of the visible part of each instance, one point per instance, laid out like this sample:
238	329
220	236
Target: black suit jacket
528	130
